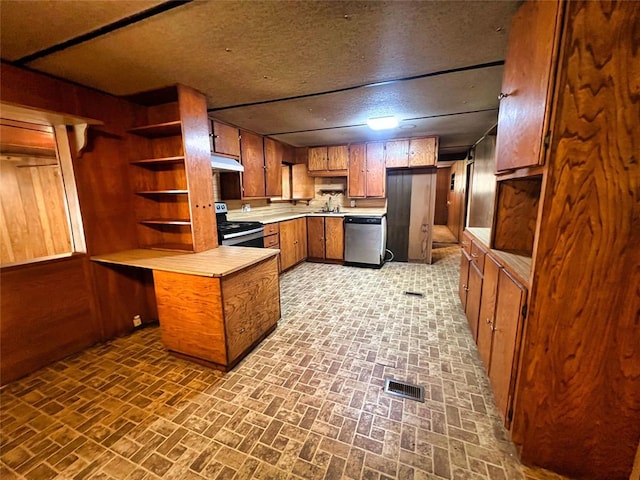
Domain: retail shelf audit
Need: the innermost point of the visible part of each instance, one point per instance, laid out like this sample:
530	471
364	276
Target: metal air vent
404	390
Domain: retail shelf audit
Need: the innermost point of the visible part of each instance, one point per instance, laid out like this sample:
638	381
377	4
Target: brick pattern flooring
306	404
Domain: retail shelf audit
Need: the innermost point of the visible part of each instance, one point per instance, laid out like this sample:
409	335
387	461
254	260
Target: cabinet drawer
271	228
477	255
272	241
465	244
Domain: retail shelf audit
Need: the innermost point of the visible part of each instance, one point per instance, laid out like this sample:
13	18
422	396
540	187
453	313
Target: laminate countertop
284	216
217	262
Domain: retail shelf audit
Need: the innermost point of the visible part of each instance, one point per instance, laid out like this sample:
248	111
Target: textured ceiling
243	52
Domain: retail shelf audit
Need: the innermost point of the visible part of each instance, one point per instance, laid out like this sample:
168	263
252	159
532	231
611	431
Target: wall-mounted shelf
166	221
150	162
162	192
166	129
331	191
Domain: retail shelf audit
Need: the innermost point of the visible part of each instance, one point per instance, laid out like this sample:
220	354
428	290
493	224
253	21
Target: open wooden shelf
166	129
166	221
162	192
175	247
151	162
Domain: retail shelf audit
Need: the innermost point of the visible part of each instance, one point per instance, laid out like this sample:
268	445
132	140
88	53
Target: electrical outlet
137	321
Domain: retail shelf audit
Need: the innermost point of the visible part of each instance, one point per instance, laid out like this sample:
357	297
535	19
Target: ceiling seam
364	124
478	66
105	29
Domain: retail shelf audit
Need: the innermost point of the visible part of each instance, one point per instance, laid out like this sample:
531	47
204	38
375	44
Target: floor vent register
404	390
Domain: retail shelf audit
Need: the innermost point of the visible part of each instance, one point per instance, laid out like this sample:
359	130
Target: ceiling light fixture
382	123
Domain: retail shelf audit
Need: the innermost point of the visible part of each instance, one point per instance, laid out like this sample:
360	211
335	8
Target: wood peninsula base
213	306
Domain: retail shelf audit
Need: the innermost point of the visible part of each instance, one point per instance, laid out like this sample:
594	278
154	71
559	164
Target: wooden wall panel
482	185
442	193
423	195
46	314
578	407
455	215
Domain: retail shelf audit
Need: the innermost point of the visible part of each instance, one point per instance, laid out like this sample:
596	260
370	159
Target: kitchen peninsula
214	306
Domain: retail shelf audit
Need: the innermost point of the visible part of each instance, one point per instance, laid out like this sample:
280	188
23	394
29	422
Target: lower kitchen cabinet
472	309
505	347
293	242
463	285
325	238
487	310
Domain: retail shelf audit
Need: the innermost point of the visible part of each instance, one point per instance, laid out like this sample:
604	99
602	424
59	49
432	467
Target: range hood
225	164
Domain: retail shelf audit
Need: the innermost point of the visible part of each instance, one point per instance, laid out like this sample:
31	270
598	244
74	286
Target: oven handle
242	234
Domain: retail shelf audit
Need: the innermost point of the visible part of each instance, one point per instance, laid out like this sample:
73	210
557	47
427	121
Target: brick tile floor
307	403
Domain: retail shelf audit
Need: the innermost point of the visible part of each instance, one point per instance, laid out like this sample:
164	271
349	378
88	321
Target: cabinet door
301	239
473	299
338	157
397	154
273	152
463	285
357	175
375	170
334	238
317	158
315	236
526	85
226	139
423	152
253	161
302	185
511	298
487	310
287	244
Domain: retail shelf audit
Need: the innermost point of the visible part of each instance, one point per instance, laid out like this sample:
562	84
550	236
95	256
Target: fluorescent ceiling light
382	123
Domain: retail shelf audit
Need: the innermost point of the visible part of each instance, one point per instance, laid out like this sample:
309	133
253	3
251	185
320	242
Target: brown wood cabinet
367	175
293	242
463	284
413	152
225	139
273	156
325	238
472	308
486	318
527	85
334	157
171	172
218	319
252	156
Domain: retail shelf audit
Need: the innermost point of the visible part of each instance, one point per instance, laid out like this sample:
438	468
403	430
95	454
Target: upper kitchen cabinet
414	152
324	159
171	158
225	139
273	157
252	155
366	171
527	85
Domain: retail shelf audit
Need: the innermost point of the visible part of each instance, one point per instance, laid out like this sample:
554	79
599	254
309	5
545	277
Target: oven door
251	238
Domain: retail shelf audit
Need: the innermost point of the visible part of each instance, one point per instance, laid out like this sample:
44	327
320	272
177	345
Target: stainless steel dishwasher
365	241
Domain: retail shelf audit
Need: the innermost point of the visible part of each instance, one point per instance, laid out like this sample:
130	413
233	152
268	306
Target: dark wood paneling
455	214
482	188
398	214
578	407
47	314
442	192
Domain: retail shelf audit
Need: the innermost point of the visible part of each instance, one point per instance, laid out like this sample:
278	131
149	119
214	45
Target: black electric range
238	233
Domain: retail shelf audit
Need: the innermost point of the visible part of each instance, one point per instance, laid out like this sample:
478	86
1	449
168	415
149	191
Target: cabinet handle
489	321
213	135
502	95
242	330
474	255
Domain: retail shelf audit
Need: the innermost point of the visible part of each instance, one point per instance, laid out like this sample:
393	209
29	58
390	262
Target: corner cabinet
171	171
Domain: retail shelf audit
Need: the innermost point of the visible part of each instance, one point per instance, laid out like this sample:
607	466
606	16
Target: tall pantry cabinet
568	196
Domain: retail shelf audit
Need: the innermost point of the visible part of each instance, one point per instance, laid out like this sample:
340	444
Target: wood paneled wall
455	215
482	185
106	200
443	181
47	314
578	404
